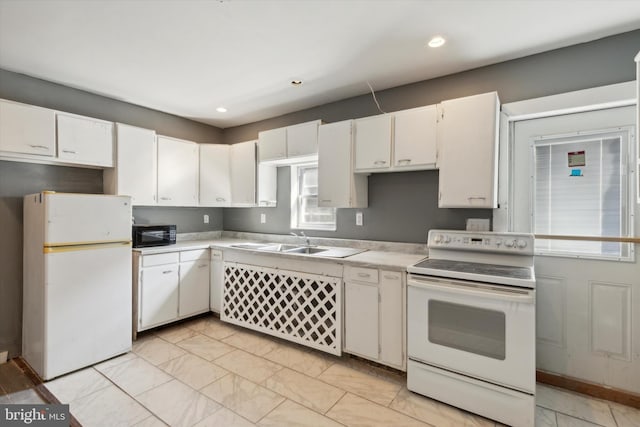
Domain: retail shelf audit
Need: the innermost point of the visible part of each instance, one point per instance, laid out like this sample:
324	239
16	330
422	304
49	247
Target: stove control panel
481	241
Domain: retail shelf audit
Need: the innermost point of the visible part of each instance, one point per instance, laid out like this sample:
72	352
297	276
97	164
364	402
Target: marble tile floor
204	372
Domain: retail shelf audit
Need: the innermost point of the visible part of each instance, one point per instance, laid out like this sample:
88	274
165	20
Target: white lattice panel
300	307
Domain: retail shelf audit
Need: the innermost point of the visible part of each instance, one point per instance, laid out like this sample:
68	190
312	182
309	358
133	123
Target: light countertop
371	258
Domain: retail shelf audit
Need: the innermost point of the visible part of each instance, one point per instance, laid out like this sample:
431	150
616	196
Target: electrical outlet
206	219
358	218
263	218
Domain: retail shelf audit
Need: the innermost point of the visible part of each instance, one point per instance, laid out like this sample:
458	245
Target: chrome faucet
304	236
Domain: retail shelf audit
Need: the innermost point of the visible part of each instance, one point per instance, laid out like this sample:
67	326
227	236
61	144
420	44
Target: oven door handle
488	291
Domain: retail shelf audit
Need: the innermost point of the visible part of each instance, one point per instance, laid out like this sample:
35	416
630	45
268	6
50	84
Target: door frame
592	99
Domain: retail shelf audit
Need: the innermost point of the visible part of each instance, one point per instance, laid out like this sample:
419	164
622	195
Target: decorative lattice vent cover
300	307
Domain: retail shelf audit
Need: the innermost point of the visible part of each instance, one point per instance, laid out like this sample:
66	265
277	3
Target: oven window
471	329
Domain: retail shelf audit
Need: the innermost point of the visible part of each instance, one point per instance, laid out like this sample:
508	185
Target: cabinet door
215	175
272	144
177	172
243	174
302	139
468	132
373	142
158	300
136	165
338	186
361	319
85	140
26	129
267	185
391	318
194	287
216	280
414	142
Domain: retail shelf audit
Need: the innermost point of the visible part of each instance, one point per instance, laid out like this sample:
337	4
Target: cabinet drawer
194	255
216	255
391	277
361	274
159	259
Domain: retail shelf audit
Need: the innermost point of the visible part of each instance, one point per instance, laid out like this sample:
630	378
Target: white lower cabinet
158	295
194	282
216	280
169	286
374	315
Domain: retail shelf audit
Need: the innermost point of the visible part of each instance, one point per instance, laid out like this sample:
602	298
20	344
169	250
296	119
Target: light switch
358	218
263	218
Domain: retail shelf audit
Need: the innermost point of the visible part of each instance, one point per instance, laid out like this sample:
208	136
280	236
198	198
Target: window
305	213
581	188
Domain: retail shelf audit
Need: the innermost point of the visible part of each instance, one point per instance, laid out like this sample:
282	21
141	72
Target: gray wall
18	179
402	206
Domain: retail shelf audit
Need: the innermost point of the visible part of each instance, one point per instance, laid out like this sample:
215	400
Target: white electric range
471	324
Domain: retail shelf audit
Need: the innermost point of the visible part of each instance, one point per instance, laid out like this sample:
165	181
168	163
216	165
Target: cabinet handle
364	275
69	151
476	197
386	276
220	199
202	266
44	147
380	162
325	200
165	198
167	271
405	161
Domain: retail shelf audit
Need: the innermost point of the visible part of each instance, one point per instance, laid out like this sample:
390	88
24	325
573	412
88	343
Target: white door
87	306
158	302
72	219
573	175
136	164
85	140
414	142
361	319
215	179
177	172
373	142
194	287
392	318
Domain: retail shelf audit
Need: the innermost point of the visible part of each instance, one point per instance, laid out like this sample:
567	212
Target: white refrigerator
77	280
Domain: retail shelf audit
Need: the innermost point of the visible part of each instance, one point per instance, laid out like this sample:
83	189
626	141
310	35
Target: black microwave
144	236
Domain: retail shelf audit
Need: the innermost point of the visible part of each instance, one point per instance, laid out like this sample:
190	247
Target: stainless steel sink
329	252
306	250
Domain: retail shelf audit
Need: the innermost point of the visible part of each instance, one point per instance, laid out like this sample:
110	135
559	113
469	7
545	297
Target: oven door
475	329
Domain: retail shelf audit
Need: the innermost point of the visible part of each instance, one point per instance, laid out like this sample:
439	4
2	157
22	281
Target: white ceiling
188	57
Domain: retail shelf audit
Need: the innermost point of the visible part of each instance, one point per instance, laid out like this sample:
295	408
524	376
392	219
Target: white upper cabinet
177	172
272	144
414	142
287	145
84	140
267	185
373	143
243	174
27	129
338	185
468	141
135	171
302	139
215	175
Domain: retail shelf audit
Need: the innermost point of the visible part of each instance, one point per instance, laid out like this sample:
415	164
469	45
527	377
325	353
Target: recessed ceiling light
296	82
437	41
221	110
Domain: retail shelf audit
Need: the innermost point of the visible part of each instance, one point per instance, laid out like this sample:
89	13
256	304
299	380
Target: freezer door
86	218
